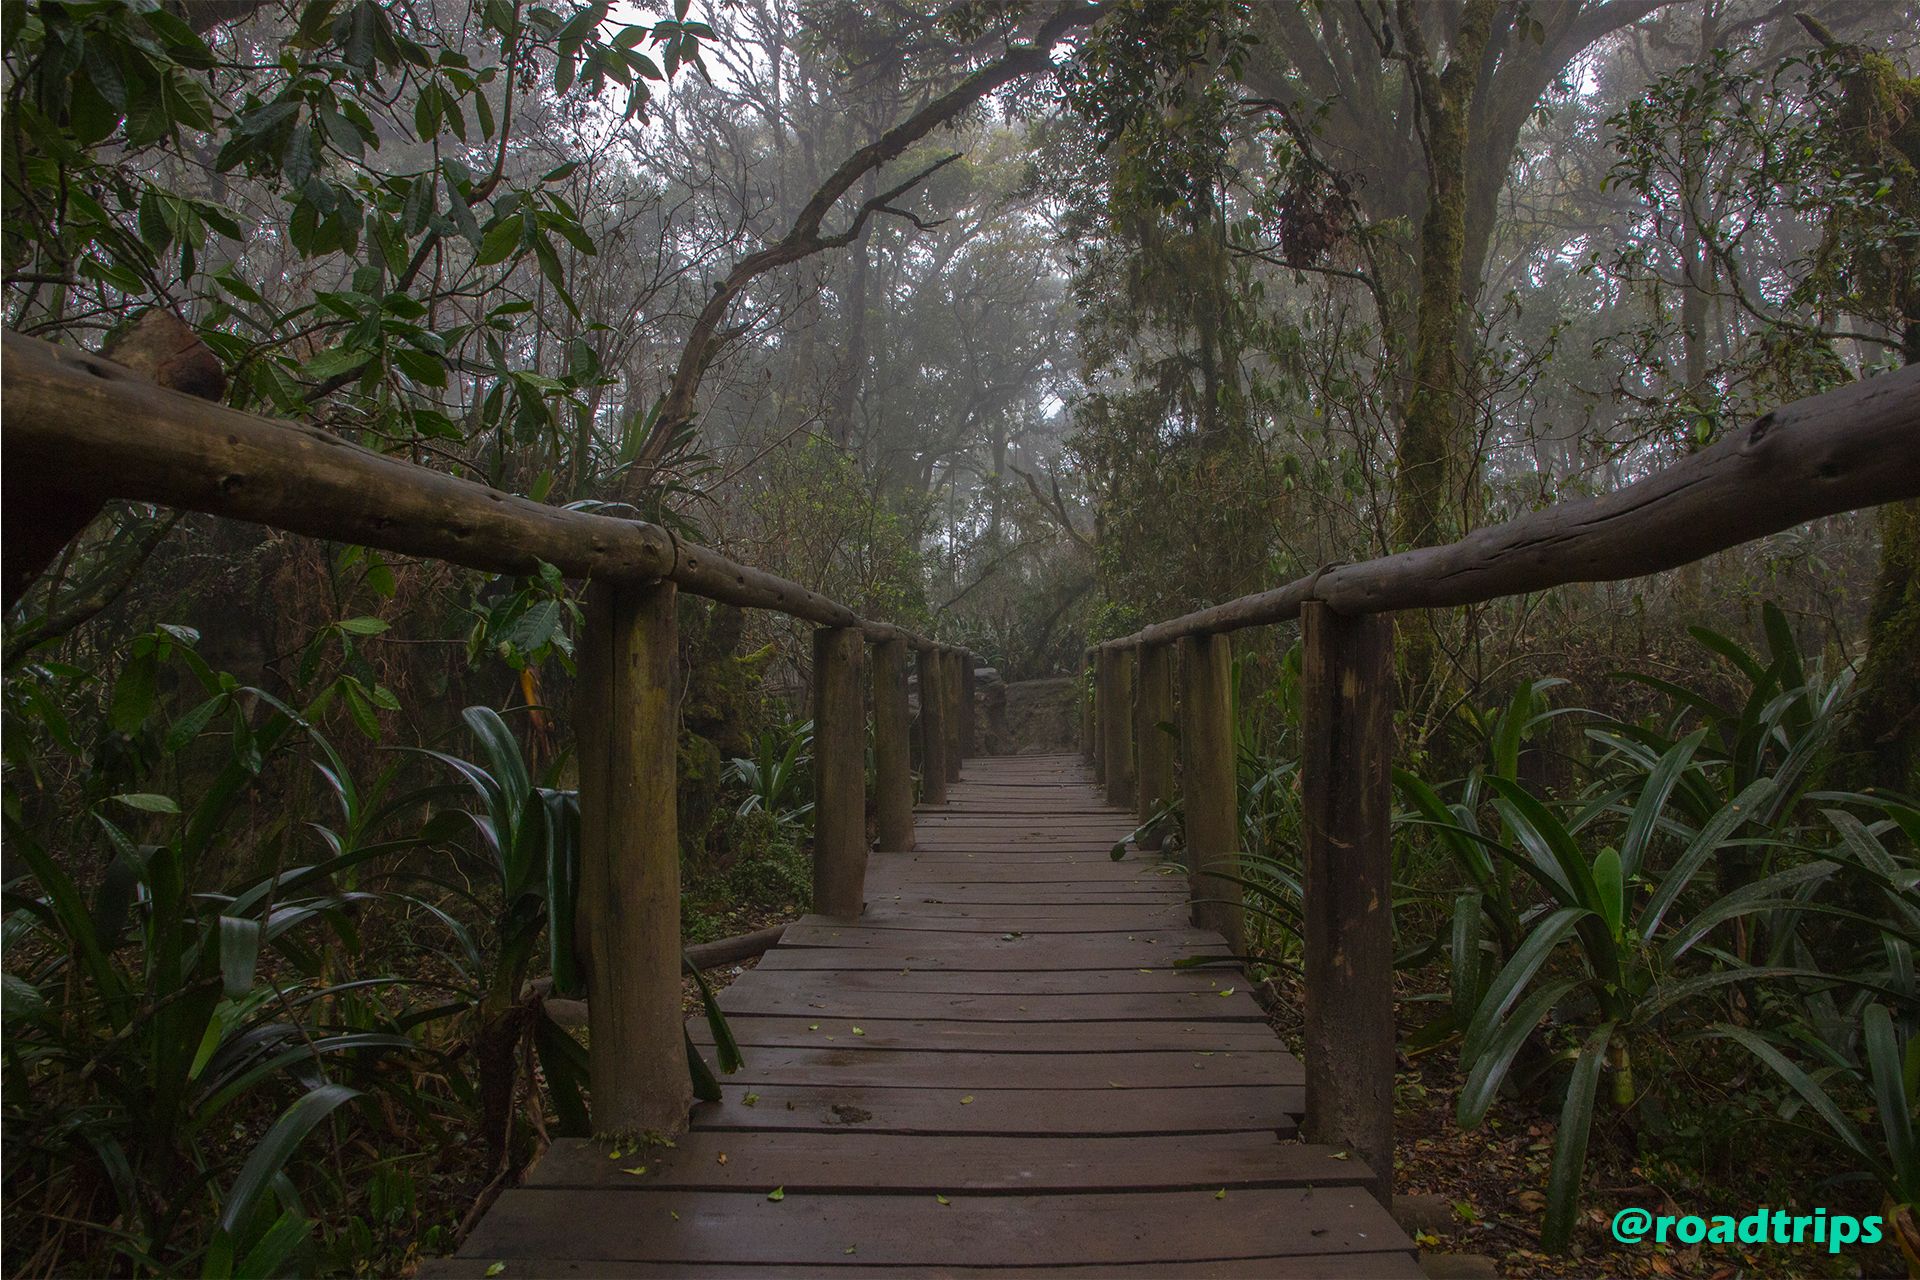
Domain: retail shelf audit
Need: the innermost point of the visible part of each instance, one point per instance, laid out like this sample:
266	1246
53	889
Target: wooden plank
753	998
998	1035
887	875
931	897
917	1164
1003	1028
1368	1266
917	1230
937	848
1092	917
1123	955
909	1069
1123	919
1146	949
1064	1113
950	1035
809	985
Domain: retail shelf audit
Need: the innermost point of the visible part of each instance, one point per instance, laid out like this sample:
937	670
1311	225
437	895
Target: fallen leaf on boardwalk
496	1268
673	1214
848	1249
636	1171
1227	992
1221	1194
966	1100
721	1158
751	1098
813	1026
1342	1155
857	1031
778	1193
943	1199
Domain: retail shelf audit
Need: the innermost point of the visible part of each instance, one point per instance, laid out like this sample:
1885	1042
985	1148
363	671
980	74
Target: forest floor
1493	1181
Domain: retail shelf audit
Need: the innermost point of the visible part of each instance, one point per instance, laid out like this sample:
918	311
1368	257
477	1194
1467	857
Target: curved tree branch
805	237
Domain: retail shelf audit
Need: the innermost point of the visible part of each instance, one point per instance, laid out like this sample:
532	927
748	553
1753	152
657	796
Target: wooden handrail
99	428
1858	446
81	429
1855	447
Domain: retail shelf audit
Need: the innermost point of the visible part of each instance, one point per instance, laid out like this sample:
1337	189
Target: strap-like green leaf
272	1152
1490	1066
1513	977
1570	1141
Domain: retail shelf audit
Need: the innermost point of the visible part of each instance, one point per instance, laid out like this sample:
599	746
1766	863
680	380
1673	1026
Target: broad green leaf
148	802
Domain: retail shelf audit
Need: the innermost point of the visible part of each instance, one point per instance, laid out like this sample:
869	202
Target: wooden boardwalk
997	1070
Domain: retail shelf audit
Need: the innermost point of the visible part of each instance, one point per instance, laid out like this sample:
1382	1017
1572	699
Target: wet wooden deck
997	1070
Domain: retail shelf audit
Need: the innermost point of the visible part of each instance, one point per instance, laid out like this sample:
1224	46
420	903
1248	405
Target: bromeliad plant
160	1018
529	842
779	776
1785	712
1607	940
1880	1062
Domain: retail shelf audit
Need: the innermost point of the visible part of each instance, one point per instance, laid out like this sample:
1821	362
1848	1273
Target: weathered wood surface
1346	814
892	767
839	773
108	432
958	1086
630	871
1839	451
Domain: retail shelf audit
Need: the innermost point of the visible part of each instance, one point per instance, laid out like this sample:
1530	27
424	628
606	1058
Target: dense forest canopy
1019	323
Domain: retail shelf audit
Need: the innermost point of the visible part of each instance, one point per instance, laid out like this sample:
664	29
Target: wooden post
629	913
1119	732
1102	709
1211	786
969	737
1153	707
933	733
839	773
950	712
1346	791
1086	709
892	771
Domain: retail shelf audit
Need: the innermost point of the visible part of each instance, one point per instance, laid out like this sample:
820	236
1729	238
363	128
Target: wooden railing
81	430
1855	447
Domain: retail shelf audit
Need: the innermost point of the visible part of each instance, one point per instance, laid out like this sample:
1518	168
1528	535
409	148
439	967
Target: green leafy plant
1609	919
528	839
779	775
1880	1063
150	1018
